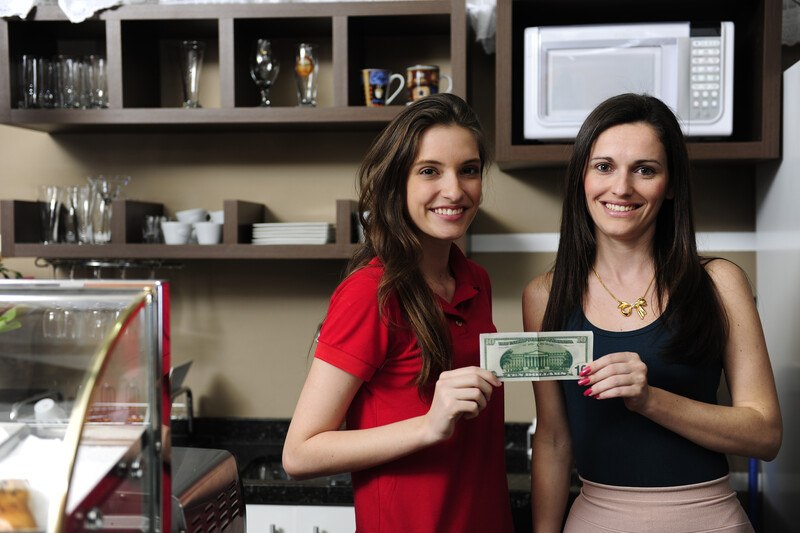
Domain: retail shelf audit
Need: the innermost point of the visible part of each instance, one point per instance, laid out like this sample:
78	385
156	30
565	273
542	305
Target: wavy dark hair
694	312
389	232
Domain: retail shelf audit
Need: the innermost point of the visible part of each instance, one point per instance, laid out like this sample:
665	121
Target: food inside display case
83	399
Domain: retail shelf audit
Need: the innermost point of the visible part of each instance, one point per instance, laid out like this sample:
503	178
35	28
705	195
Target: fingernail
587	392
586	371
584	381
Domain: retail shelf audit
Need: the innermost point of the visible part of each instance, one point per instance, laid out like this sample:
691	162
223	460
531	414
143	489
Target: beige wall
248	325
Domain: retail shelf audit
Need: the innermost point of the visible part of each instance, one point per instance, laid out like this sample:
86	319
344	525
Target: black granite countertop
257	445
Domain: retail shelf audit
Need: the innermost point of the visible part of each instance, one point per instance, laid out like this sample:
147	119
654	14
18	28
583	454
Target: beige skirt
708	506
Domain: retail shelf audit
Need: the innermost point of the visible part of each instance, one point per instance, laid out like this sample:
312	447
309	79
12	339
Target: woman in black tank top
642	424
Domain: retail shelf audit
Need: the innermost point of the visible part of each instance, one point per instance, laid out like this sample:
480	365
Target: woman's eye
647	171
471	171
428	171
603	167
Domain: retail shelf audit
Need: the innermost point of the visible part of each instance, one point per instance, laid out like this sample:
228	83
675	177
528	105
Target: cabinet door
272	518
325	519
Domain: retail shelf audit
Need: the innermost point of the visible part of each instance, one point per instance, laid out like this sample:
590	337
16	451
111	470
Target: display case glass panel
82	403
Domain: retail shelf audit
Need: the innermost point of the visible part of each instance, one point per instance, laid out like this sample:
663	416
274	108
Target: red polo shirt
458	485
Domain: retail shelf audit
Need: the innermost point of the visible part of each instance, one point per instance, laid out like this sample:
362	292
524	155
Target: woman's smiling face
443	190
626	182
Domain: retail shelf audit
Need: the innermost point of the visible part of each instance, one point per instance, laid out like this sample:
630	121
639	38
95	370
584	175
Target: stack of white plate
293	233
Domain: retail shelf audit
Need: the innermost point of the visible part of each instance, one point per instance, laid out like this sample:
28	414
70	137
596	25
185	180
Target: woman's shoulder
727	276
538	289
365	279
534	301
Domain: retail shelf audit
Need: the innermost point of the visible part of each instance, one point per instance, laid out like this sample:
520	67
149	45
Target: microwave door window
579	79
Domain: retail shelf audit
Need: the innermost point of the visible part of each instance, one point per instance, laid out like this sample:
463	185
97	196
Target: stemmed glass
108	188
263	69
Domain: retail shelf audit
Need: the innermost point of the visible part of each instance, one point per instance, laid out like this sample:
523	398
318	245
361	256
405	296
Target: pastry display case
84	398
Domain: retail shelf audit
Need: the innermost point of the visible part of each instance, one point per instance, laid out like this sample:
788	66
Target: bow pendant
639	305
625	308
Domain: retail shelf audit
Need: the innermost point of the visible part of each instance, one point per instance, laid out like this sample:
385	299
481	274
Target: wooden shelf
20	230
144	90
757	72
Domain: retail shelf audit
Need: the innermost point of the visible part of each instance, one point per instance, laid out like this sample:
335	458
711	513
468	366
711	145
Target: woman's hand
463	392
618	375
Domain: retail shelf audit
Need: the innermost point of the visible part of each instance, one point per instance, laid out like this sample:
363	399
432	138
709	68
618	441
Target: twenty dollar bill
538	356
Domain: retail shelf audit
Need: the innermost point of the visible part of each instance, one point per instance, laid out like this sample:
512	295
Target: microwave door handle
684	68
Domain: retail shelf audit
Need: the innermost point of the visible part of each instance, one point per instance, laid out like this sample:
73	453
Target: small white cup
176	232
48	409
208	232
190	216
217	216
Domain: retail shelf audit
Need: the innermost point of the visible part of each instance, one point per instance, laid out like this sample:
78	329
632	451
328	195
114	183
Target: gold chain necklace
624	307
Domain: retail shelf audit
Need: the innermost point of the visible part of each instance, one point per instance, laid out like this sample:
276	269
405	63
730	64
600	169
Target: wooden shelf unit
20	235
757	72
351	36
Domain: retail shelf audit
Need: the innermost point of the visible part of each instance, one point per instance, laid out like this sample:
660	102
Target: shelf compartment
20	235
285	34
48	39
757	72
150	54
395	43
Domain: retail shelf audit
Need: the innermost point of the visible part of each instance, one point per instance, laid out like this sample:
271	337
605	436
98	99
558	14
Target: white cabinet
300	519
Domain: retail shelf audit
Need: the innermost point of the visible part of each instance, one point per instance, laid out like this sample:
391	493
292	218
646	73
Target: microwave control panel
706	78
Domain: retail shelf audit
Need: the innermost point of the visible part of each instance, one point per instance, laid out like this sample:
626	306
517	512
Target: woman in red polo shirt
394	394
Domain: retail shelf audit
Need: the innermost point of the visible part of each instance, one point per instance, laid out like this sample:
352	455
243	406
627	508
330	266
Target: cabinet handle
273	529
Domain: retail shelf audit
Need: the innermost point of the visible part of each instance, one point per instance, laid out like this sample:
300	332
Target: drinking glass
37	82
191	60
87	198
263	69
96	81
50	206
108	188
71	199
305	73
69	81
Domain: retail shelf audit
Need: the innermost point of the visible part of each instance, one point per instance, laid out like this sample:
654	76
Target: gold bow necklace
624	307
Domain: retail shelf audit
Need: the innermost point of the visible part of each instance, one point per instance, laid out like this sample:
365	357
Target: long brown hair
694	313
389	232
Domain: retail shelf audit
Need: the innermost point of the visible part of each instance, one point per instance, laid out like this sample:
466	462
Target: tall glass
50	206
191	60
264	69
306	70
108	189
87	198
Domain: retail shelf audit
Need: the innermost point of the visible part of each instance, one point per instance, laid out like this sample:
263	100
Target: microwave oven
568	70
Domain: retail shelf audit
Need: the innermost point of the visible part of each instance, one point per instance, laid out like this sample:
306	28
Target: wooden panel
239	219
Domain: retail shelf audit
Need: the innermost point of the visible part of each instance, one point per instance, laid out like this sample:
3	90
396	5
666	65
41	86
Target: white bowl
208	232
190	216
176	232
217	216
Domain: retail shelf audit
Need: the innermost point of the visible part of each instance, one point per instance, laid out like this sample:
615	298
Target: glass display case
84	396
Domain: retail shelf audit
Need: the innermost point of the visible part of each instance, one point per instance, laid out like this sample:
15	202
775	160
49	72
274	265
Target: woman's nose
622	184
451	186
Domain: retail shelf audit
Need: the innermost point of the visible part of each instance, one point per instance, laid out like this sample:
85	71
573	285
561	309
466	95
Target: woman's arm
751	426
316	445
551	459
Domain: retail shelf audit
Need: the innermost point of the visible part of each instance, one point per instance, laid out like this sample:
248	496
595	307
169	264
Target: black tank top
615	446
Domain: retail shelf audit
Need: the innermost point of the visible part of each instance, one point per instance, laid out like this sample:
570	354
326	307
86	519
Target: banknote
530	356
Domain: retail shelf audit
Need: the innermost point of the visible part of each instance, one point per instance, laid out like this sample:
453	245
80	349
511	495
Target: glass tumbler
306	69
50	206
191	61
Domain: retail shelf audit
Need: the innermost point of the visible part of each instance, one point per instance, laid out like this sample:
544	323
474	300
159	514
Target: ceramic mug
423	80
377	84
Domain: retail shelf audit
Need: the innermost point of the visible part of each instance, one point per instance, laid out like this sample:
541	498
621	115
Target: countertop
257	445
